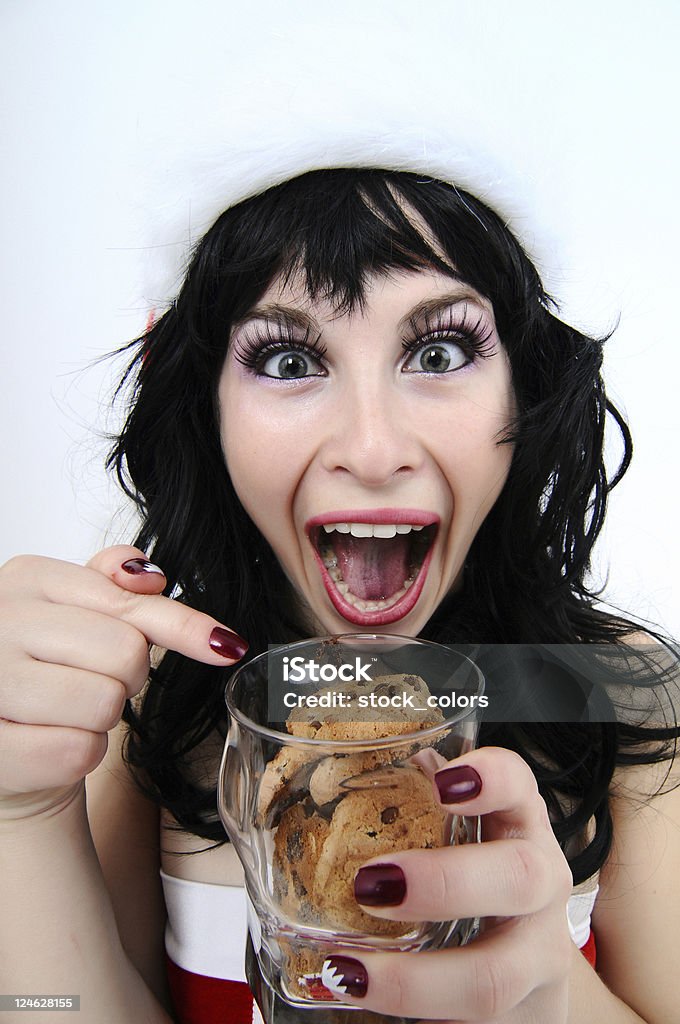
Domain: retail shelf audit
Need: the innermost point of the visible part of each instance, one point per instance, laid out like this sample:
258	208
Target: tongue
373	568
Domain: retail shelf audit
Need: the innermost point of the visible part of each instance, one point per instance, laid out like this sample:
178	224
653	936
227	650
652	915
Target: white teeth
371	529
361	529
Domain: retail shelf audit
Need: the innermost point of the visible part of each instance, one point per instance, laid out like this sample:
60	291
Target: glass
329	760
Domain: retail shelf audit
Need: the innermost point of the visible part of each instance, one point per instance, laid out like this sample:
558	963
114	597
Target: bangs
349	226
334	229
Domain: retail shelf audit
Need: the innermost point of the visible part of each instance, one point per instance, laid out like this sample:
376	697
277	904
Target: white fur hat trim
509	101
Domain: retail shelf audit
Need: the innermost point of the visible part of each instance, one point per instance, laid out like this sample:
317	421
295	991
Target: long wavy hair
526	577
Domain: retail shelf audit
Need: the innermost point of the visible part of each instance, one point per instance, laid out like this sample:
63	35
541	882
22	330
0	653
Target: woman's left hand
517	970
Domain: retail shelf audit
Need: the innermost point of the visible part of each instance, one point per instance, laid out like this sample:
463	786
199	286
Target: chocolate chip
372	835
389	815
315	724
299	887
294	845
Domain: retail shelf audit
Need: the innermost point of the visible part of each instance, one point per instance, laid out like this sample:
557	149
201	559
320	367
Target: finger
39	693
482	981
164	622
501	878
499	784
130	569
35	757
78	638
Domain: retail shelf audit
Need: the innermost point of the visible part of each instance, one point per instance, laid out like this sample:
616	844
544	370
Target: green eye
437	357
290	365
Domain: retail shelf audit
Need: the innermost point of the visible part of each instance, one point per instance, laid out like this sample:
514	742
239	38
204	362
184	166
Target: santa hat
525	105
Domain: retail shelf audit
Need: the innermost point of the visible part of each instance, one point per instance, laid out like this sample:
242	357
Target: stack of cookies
333	812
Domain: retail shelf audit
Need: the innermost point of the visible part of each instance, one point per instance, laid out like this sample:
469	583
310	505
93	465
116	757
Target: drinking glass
328	762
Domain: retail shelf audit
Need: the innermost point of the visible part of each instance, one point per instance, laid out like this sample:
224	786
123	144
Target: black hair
527	572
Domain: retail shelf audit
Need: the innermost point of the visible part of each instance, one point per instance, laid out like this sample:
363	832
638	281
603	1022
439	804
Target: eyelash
253	350
474	338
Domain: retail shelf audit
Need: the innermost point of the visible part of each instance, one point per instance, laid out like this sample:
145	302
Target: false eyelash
473	337
253	349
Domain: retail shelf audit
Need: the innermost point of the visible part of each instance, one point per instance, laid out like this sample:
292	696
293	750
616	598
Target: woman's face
364	446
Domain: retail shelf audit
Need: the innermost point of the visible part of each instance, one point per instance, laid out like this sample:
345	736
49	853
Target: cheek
477	465
261	459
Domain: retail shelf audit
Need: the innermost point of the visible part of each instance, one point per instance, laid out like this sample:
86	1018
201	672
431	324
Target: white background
580	97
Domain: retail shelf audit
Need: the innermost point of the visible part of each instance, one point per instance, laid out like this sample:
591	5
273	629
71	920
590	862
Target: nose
372	436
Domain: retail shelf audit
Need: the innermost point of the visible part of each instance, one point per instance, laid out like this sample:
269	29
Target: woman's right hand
74	645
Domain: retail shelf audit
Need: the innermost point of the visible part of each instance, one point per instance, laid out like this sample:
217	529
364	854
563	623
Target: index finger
162	621
177	627
165	623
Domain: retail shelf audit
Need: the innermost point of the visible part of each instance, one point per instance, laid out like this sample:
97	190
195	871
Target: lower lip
383	617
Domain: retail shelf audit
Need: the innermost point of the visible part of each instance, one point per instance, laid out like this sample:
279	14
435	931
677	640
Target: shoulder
636	914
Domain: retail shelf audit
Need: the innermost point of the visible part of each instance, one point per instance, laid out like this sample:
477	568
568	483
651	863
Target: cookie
376	821
297	845
339	774
302	972
288	773
285	778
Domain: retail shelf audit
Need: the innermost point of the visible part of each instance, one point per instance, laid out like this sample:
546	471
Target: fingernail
458	784
343	975
138	566
380	885
228	644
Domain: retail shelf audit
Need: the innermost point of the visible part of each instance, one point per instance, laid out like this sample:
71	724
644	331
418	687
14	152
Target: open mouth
374	568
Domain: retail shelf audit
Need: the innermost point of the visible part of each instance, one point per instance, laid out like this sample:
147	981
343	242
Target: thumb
130	569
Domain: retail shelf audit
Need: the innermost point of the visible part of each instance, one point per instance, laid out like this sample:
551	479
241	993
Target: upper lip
398	516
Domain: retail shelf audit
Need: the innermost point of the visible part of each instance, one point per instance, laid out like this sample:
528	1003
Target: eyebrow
416	318
279	314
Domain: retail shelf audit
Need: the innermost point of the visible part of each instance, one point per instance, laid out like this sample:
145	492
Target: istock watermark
299	670
399	701
517	683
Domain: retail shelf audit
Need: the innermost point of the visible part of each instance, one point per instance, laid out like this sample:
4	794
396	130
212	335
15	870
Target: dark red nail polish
228	644
380	885
458	784
139	566
344	975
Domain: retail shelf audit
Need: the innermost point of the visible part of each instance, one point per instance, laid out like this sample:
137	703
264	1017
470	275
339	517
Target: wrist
43	805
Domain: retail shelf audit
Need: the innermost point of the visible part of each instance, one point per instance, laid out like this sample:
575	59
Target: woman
350	347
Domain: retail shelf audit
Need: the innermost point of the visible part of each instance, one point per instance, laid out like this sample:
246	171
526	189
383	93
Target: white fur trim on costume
206	928
579	912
